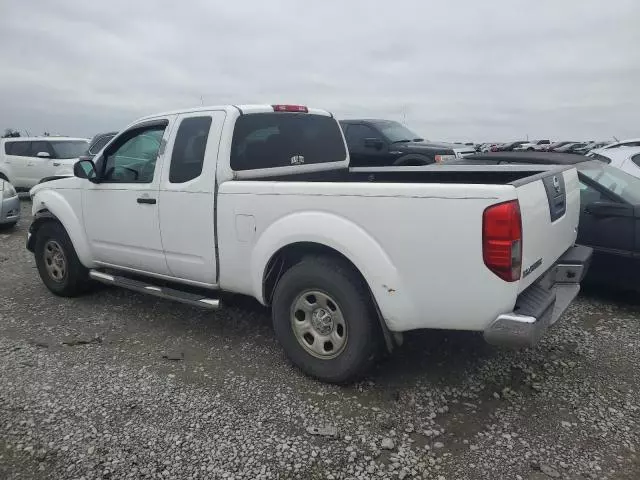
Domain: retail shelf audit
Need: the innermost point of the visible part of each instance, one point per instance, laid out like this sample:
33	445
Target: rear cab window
271	140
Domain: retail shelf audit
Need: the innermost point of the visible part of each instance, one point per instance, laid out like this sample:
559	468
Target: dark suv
385	143
96	144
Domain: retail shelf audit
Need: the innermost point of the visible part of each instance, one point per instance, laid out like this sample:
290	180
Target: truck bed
414	232
464	174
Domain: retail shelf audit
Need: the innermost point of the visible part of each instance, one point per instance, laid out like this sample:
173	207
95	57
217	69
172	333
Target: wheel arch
50	206
302	233
289	255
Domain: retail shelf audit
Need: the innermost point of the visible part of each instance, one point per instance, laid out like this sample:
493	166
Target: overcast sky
452	70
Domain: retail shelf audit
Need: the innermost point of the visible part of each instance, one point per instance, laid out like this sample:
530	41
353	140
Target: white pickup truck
260	201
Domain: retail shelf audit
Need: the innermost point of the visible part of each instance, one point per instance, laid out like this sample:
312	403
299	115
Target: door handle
151	201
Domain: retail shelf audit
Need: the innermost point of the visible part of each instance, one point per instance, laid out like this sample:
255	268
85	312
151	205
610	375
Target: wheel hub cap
318	324
322	321
55	261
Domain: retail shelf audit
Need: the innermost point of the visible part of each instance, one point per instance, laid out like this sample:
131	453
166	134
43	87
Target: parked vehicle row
565	146
261	201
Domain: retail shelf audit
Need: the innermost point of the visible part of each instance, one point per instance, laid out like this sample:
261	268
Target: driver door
121	212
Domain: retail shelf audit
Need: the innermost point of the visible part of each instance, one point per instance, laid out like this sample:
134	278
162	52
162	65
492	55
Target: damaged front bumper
543	303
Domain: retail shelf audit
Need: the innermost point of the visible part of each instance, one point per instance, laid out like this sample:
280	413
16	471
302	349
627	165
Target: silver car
9	205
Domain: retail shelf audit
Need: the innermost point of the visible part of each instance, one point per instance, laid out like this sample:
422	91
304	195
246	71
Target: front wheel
324	318
57	262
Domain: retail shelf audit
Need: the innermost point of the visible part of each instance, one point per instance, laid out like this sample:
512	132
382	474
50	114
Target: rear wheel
57	262
325	320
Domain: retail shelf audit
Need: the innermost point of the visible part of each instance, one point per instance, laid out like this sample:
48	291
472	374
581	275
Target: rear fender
50	205
345	237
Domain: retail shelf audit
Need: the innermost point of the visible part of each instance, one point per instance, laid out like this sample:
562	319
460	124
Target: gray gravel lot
120	385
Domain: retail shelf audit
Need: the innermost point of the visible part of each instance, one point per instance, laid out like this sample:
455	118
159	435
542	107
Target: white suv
26	161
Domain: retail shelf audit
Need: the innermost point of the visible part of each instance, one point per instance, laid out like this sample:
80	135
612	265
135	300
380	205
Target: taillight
502	240
290	108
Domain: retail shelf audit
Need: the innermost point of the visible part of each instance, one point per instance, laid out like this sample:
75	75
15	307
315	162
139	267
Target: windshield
613	179
69	149
396	132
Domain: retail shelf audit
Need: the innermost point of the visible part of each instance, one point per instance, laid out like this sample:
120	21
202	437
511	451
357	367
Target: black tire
337	279
75	279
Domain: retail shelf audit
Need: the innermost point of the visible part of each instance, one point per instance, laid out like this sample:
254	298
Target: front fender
345	237
67	210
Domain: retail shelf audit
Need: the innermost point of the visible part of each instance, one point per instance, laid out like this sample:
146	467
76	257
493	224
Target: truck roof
241	108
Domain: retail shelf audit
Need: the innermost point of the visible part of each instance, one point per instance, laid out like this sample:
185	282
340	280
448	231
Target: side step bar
162	292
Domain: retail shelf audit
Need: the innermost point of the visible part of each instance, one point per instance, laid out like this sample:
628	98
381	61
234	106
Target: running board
162	292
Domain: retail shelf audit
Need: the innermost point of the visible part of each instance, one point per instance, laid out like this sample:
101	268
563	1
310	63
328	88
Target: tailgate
550	209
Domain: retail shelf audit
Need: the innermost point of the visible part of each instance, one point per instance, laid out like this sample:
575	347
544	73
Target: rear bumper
543	303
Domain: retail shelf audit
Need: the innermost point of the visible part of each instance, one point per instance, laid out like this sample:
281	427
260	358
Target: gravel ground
120	385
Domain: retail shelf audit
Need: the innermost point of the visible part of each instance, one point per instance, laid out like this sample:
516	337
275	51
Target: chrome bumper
543	303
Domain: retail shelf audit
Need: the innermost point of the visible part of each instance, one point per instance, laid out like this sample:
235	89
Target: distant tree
10	132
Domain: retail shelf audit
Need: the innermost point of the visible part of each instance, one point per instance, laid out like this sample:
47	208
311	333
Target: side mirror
609	209
43	155
373	143
85	169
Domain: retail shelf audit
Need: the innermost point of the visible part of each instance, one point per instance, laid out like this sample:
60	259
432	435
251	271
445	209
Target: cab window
187	157
133	157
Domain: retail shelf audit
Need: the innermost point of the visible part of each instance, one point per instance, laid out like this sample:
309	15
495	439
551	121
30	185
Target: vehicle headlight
8	191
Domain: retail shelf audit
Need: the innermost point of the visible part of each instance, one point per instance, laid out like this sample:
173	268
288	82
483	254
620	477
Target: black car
96	144
609	214
508	147
385	142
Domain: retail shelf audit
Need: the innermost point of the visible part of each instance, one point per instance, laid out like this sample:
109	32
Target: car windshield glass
397	132
613	179
69	149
